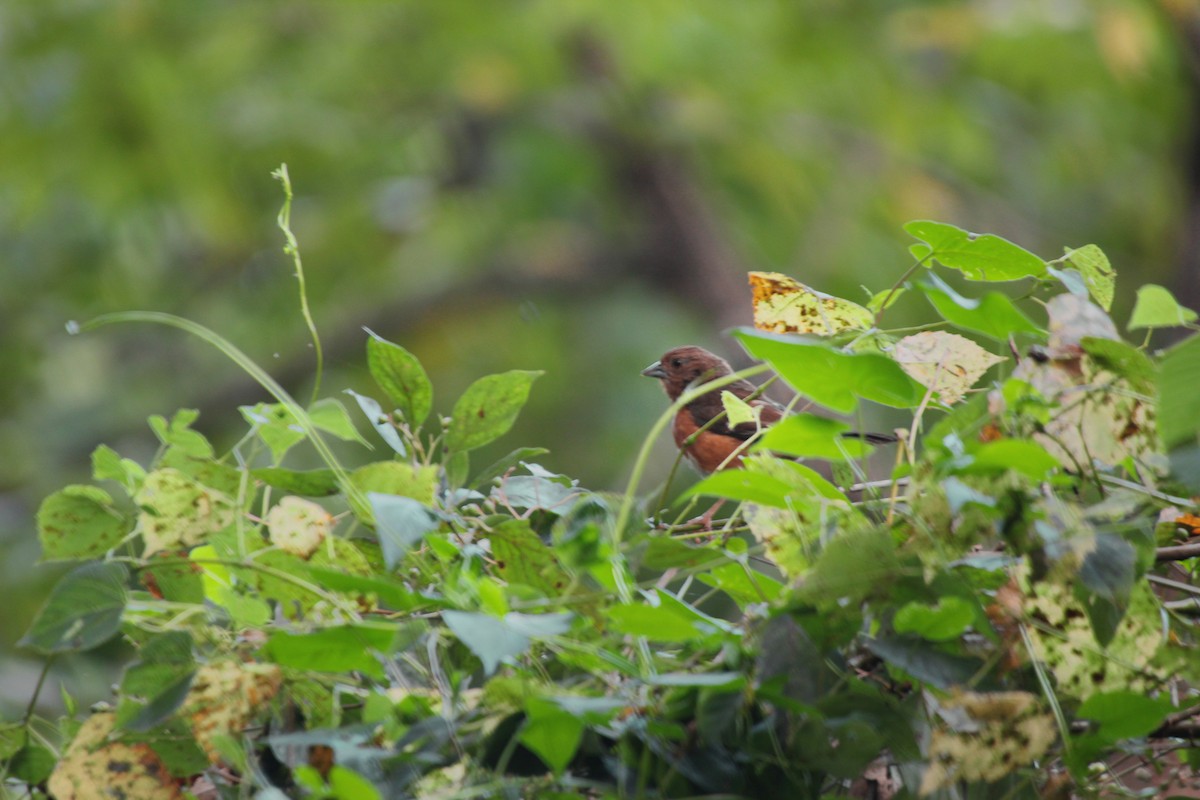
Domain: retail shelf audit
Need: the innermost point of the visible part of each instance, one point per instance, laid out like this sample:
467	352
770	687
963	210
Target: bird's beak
655	370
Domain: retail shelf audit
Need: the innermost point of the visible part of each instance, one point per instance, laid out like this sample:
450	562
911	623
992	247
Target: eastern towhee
684	368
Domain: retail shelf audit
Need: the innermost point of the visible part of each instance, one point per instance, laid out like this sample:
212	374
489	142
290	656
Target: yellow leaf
95	767
784	305
945	362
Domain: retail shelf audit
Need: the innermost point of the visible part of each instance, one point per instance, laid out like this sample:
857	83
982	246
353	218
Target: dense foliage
1005	614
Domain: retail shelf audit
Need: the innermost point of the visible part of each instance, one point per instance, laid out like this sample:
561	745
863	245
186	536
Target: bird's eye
676	362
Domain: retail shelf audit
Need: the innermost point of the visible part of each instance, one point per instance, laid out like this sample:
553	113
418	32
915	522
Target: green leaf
923	661
1025	457
552	733
379	421
392	594
947	620
1097	273
329	415
310	483
347	784
737	410
522	557
980	257
399	478
1156	307
156	685
79	522
743	485
663	552
401	522
487	637
853	565
178	433
723	680
810	436
344	648
742	584
179	512
83	611
1178	379
992	315
657	624
1109	568
488	408
108	465
1123	714
401	377
830	377
32	764
176	582
275	425
503	465
1124	360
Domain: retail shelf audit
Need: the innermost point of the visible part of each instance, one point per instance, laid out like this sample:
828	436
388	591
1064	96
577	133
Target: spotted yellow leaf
947	363
784	305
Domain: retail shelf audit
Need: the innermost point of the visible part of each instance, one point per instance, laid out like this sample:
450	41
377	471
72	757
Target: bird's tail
872	438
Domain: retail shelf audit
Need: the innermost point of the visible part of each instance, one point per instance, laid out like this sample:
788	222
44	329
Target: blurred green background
569	186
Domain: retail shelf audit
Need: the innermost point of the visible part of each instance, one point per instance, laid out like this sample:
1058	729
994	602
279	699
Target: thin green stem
354	495
900	282
292	248
639	467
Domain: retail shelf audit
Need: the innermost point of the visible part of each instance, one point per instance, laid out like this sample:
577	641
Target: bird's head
682	366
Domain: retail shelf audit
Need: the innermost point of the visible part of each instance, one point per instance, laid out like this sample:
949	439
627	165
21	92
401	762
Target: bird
719	445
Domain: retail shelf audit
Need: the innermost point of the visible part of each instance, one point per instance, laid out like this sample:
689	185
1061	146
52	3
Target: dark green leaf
309	483
1109	569
923	661
84	610
992	315
79	522
830	377
663	552
156	685
488	408
402	378
980	257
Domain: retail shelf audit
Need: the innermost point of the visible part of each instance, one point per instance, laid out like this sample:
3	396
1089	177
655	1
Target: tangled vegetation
1009	613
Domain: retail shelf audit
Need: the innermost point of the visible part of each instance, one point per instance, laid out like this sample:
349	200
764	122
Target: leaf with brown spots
784	305
522	557
94	767
488	408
